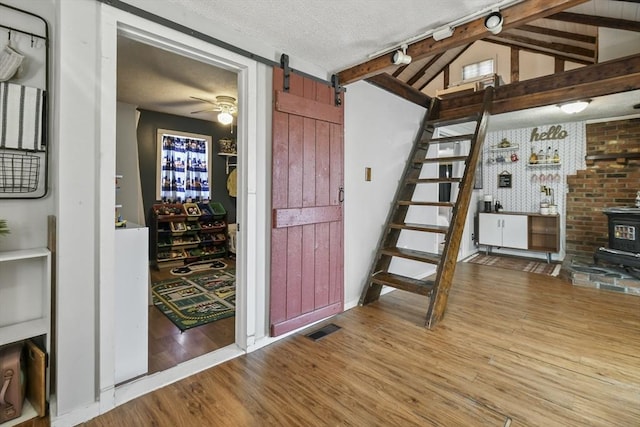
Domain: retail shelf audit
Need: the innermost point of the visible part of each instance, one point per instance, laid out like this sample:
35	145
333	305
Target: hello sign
554	132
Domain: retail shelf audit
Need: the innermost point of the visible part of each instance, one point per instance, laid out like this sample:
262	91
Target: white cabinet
25	301
131	302
503	230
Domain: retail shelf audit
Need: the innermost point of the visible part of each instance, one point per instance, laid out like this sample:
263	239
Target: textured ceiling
157	80
332	34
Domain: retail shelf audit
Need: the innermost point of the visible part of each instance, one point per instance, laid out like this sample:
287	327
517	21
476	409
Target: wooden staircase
424	152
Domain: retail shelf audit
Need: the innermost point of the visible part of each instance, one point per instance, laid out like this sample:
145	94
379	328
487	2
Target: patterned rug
197	300
514	263
198	266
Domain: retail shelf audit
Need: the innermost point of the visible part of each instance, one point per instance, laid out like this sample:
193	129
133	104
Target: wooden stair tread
448	159
413	254
421	227
445	139
453	121
413	203
432	180
436	286
422	287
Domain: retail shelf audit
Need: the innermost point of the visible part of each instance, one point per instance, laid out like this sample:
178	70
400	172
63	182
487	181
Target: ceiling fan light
493	22
225	118
574	107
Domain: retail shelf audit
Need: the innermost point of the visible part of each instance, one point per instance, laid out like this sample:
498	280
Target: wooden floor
168	346
513	347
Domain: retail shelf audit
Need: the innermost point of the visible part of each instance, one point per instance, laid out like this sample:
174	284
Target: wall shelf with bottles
496	148
544	165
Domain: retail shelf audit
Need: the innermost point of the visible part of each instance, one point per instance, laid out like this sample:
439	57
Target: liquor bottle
556	156
533	158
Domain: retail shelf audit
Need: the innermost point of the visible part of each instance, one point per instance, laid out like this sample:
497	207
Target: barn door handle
341	194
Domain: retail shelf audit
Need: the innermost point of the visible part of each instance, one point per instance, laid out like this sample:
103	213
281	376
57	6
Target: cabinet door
514	231
490	229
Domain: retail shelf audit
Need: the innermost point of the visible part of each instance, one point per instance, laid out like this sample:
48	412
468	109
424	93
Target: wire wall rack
24	111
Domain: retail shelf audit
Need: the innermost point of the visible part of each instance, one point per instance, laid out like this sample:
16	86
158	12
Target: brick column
604	184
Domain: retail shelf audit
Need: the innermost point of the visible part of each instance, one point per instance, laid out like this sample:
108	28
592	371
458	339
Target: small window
477	69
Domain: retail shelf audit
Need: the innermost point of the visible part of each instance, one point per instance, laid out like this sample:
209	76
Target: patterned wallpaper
525	193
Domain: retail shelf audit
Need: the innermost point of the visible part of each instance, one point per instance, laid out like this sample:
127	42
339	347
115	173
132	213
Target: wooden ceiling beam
540	51
551	46
583	38
596	21
514	16
400	88
417	76
606	78
444	67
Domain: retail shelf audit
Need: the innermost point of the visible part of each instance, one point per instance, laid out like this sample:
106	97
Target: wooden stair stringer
389	238
445	272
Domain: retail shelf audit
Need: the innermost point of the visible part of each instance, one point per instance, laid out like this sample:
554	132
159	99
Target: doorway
181	106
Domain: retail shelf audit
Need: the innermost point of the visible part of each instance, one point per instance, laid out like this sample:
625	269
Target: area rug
198	267
514	263
197	300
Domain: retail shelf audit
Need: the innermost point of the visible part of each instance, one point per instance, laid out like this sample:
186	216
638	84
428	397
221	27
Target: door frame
253	119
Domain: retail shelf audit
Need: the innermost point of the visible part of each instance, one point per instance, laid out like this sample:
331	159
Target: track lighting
493	22
401	57
443	33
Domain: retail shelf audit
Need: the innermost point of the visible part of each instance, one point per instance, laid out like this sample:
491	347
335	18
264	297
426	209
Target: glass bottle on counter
556	156
533	158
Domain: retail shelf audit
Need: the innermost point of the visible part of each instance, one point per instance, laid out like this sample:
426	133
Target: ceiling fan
226	105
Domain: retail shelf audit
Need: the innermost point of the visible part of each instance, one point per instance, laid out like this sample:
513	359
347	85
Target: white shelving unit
228	162
25	292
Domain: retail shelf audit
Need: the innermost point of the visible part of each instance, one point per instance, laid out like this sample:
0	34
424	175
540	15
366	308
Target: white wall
481	51
614	44
533	65
379	132
129	195
77	156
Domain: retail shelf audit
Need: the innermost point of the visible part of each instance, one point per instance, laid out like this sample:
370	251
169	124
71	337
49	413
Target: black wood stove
624	238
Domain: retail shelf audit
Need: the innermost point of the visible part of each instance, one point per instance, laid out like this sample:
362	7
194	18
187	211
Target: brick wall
603	184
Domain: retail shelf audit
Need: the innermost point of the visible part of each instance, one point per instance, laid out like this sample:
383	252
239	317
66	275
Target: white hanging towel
21	117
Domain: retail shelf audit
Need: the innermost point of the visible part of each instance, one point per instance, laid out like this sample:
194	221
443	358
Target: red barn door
307	178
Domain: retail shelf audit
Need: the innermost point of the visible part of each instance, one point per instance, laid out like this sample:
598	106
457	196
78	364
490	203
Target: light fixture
227	106
493	22
401	57
574	107
442	33
225	118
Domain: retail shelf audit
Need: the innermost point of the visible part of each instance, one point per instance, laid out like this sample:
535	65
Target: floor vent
323	332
